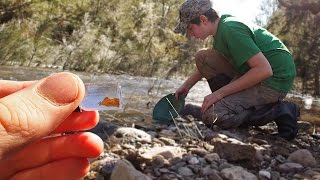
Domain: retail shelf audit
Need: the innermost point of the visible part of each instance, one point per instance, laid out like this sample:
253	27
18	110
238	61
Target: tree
297	24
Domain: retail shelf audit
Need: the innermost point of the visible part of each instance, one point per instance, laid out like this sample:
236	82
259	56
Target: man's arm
260	69
188	84
193	79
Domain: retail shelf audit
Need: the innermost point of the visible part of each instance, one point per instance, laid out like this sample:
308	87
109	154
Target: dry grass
186	128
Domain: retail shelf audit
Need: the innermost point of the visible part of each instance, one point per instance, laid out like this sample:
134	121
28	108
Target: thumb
35	111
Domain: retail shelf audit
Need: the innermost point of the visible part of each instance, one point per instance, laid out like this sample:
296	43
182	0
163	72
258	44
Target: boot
191	109
262	116
285	115
287	120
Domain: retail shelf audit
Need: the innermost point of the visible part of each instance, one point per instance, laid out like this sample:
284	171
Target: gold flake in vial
102	96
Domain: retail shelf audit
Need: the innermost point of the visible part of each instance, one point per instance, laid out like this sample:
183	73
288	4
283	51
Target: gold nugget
110	102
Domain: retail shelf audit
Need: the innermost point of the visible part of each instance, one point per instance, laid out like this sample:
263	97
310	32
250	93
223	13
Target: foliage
297	24
136	37
111	36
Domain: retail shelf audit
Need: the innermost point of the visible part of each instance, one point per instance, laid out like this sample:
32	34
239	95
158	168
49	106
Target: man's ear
203	19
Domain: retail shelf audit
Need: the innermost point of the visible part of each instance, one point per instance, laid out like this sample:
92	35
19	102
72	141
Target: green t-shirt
239	41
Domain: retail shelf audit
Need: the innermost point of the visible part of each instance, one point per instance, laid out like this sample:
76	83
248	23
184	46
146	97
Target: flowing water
140	94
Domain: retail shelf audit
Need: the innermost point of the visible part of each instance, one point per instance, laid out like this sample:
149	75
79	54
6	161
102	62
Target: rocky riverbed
164	152
190	150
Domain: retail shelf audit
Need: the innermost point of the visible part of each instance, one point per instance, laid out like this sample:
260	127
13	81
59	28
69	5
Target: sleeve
240	44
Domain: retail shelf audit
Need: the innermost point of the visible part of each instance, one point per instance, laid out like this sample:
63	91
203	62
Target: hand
209	100
32	111
182	91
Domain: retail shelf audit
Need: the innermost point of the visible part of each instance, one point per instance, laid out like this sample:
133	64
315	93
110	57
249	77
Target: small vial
102	96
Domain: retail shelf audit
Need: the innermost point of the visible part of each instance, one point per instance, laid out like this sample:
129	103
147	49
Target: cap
189	10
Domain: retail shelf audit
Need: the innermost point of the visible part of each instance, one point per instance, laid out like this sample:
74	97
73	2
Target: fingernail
59	89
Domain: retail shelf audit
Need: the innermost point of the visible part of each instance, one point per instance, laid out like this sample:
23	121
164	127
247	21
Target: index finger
9	87
78	121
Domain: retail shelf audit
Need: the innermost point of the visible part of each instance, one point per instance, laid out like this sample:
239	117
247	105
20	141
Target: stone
193	160
275	175
237	173
198	151
290	167
206	171
168	141
132	134
212	157
185	171
103	129
158	161
125	171
234	150
263	174
316	177
303	157
168	152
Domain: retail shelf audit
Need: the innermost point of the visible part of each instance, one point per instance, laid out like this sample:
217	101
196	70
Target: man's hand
182	91
209	100
30	112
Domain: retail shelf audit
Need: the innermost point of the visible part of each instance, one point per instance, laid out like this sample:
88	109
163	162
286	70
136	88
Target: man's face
198	31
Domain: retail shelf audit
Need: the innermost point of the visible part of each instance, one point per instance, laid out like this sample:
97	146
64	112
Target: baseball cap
189	10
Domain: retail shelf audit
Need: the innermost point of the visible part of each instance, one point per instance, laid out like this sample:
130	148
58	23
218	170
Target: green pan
161	112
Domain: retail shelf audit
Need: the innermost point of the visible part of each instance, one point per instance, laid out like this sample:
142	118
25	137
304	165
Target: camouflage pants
232	110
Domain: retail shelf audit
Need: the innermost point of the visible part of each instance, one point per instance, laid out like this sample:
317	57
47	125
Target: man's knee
201	55
222	117
208	117
211	118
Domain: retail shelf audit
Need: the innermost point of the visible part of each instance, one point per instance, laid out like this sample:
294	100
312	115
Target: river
140	94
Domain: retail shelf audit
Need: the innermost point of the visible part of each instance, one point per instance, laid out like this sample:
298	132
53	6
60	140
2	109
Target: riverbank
160	152
164	152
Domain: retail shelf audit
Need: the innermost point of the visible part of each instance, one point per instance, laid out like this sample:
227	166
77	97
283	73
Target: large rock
234	150
237	173
132	134
124	170
303	157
